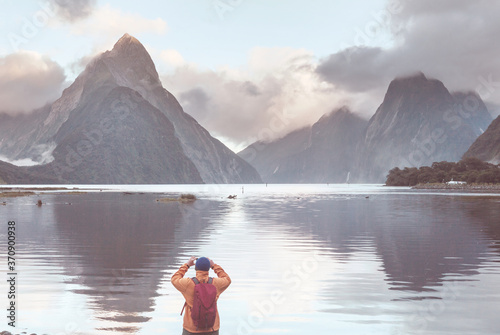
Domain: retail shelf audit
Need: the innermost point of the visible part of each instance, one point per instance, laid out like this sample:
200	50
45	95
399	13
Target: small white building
456	182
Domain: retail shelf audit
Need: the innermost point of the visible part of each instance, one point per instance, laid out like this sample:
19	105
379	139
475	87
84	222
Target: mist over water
350	259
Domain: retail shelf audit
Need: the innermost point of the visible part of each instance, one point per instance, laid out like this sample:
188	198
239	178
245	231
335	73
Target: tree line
470	170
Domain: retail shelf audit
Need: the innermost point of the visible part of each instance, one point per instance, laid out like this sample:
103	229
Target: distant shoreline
463	187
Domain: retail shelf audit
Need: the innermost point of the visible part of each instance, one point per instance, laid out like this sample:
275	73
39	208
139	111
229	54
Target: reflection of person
186	287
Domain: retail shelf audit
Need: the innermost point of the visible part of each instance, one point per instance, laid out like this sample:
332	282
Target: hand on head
191	261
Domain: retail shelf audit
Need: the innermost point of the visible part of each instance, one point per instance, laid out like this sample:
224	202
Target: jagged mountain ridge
487	146
322	153
215	162
182	152
418	123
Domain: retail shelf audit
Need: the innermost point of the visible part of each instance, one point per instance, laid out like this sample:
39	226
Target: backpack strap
196	281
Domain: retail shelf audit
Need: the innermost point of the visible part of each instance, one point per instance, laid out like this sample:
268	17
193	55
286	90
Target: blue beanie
202	264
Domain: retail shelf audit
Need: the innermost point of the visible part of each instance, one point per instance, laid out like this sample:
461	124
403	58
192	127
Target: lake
303	259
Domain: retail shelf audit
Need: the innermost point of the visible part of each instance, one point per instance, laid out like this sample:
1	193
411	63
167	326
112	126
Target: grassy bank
13	194
182	198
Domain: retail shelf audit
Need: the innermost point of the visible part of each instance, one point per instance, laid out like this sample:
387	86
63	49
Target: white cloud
43	154
28	81
275	92
19	162
106	24
172	58
71	10
450	40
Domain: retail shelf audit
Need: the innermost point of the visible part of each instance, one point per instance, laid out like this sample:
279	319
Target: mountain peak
131	65
419	75
128	45
336	113
127	39
413	86
345	110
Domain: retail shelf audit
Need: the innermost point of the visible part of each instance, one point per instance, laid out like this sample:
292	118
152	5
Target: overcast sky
255	69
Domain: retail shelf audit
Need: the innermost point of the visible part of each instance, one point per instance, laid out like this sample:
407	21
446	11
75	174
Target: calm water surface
304	259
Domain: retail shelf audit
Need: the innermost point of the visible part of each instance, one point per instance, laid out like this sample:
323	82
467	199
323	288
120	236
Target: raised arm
178	280
223	280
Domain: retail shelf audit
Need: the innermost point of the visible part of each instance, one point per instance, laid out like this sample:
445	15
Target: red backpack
204	304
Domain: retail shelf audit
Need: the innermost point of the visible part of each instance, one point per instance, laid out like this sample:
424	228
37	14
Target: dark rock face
12	174
118	140
487	146
131	66
323	153
335	138
269	157
418	123
117	124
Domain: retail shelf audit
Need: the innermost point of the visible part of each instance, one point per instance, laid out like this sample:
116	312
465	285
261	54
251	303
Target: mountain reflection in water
109	258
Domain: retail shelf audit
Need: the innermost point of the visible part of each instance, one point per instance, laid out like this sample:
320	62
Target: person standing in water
187	286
